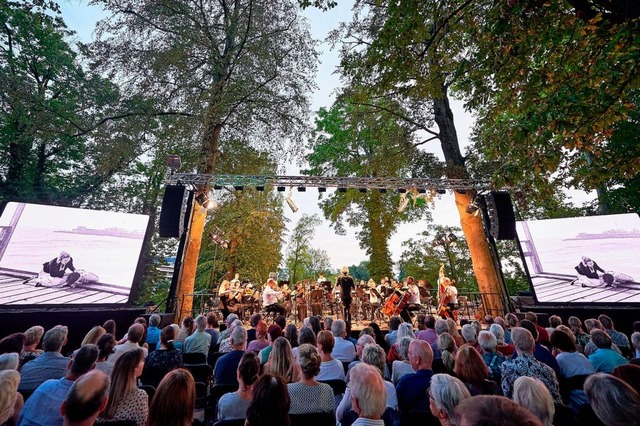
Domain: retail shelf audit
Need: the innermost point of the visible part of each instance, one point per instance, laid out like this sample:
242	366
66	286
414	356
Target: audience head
476	324
167	336
154	320
531	327
447	347
469	333
613	401
421	320
234	324
420	355
636	327
306	335
55	339
488	319
105	344
261	329
567	330
575	324
110	326
254	320
554	321
187	324
531	316
281	321
249	368
562	341
271	402
628	373
405	330
135	333
368	391
430	321
368	330
498	331
533	395
9	381
493	410
281	360
230	319
487	340
325	342
314	322
338	328
274	331
374	355
9	361
212	319
592	324
239	338
601	339
328	322
309	360
511	320
499	321
12	343
402	348
126	370
635	340
84	360
441	326
445	393
523	340
93	335
470	367
33	335
606	321
291	334
201	323
174	401
394	323
86	399
453	327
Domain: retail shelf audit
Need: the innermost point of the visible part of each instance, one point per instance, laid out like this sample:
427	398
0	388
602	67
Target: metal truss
240	182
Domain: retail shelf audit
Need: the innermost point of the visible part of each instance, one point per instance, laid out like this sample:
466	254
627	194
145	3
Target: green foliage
300	257
360	271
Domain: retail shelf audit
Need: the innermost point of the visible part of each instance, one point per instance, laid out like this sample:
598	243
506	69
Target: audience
540	352
554	322
166	356
10	400
471	369
188	327
12	343
470	336
445	393
126	401
228	321
428	334
533	395
260	340
343	350
225	345
306	335
50	365
153	332
281	361
493	410
273	332
572	364
251	333
134	336
543	336
291	334
93	335
10	361
32	338
412	388
612	400
271	403
617	338
43	407
330	368
394	323
308	395
604	359
174	401
234	405
199	341
447	351
404	330
401	366
227	365
368	395
635	340
502	346
213	328
492	358
86	399
628	373
110	327
582	338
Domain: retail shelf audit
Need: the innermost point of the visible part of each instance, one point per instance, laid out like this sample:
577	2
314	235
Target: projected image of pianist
58	272
589	276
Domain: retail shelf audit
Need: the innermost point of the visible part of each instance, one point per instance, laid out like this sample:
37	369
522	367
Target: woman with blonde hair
308	395
11	401
282	362
453	331
93	335
126	401
32	337
447	348
533	395
174	401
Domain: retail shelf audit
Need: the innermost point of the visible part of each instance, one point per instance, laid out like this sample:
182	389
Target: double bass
395	303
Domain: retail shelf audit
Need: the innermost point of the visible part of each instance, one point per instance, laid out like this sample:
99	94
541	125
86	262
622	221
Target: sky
342	250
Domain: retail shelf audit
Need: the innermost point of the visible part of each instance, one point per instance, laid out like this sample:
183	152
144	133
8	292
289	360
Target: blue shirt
226	367
49	365
43	407
199	341
605	360
153	335
412	391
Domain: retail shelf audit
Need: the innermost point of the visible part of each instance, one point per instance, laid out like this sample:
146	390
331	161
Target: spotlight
281	188
441	191
404	202
473	209
238	187
422	191
174	162
382	190
363	190
217	187
302	189
402	190
342	189
260	188
205	201
322	189
289	201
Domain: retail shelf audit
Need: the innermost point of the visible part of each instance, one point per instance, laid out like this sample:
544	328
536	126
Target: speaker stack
173	215
502	220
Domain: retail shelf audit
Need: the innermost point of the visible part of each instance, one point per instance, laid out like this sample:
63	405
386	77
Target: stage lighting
382	190
302	189
402	190
363	190
322	189
404	202
441	191
174	162
205	201
217	187
260	188
342	189
290	202
238	187
422	191
281	188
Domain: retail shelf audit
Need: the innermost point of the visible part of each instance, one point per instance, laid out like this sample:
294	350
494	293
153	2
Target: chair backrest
201	372
213	358
338	386
150	390
235	422
218	390
313	419
153	375
194	358
152	346
345	365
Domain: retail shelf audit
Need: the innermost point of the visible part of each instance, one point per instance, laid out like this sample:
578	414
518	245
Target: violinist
270	298
448	299
414	300
224	295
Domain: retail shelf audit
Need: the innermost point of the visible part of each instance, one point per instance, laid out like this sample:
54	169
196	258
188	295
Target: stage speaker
502	220
172	202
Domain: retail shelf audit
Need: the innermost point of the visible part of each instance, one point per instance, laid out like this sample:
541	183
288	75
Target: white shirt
127	346
414	291
331	370
343	350
270	296
452	294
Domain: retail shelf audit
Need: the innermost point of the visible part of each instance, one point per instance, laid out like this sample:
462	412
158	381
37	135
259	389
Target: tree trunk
380	259
187	280
484	267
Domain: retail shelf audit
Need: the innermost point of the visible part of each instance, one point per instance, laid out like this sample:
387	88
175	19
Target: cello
395	303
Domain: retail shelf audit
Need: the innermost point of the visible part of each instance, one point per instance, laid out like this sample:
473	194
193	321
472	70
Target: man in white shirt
343	350
414	300
270	298
134	335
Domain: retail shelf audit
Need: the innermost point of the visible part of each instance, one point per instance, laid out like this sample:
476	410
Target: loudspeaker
502	220
169	224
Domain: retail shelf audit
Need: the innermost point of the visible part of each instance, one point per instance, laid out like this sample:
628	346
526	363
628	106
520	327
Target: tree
351	140
319	262
298	257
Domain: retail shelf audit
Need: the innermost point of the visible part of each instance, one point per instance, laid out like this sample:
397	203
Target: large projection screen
583	259
98	250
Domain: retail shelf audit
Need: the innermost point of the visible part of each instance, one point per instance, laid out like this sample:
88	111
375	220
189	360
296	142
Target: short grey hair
154	320
374	355
364	340
447	392
201	322
239	335
469	333
368	388
338	327
441	326
635	340
33	335
487	340
9	361
533	395
601	339
498	331
522	339
54	339
236	323
231	318
405	329
403	347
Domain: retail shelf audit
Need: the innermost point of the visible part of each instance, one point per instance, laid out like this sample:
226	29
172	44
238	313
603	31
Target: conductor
346	283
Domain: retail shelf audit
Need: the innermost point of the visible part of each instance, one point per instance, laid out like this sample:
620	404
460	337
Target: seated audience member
429	334
630	374
401	366
510	321
540	352
32	338
502	347
273	332
308	395
12	343
213	328
134	337
453	331
343	350
260	341
533	395
86	399
93	335
153	332
225	345
613	401
105	345
473	372
363	340
253	322
176	331
199	341
330	368
187	329
617	338
604	359
380	338
50	365
445	393
491	357
471	338
225	333
493	410
328	322
306	335
291	334
281	361
314	323
110	327
126	401
582	338
368	395
174	402
227	365
43	407
412	388
10	400
404	330
394	323
543	336
166	356
10	361
594	324
554	322
527	365
271	402
373	355
447	350
635	341
572	363
233	405
442	326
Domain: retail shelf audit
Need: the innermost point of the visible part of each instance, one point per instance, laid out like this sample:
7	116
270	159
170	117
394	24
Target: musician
449	299
374	298
224	294
346	283
321	278
270	298
414	300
